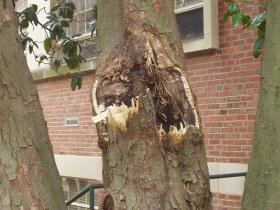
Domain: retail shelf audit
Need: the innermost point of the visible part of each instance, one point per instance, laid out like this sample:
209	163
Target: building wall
60	102
226	83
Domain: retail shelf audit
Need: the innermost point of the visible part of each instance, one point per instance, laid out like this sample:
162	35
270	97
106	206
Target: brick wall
225	81
225	202
59	102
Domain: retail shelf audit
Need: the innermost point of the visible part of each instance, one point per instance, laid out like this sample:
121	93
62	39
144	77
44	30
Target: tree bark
28	175
148	124
262	186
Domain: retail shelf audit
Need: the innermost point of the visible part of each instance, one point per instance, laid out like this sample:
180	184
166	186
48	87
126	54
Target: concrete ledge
88	167
85	167
227	185
46	73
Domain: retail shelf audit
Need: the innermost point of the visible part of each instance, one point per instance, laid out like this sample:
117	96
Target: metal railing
89	189
93	187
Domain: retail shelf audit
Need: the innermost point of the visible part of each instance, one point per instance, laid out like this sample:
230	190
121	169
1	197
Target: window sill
85	36
208	42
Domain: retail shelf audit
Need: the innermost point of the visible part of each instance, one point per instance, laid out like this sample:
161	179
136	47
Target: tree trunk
148	124
262	186
28	175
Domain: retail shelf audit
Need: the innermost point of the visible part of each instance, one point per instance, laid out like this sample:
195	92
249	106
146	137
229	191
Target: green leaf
49	23
24	41
57	31
47	45
34	43
237	18
232	8
74	82
258	20
94	11
71	5
246	21
4	3
35	7
72	51
30	14
65	23
30	49
73	62
57	63
258	45
42	58
23	24
51	16
81	58
80	81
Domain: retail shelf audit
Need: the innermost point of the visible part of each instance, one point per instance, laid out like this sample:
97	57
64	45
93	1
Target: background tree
28	175
262	187
148	123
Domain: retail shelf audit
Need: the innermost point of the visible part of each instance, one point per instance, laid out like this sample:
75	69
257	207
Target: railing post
91	198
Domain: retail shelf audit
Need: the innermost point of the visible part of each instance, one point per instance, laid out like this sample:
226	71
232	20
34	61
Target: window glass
90	23
191	24
89	4
21	5
83	21
82	5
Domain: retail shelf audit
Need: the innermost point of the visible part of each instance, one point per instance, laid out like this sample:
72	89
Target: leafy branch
238	17
59	48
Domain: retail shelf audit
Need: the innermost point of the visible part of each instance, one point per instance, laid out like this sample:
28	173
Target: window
82	26
83	21
21	5
71	186
198	24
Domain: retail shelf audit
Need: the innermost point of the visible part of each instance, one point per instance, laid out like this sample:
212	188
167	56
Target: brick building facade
226	83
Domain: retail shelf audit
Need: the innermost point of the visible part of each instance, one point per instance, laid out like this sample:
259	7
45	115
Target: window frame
210	38
86	35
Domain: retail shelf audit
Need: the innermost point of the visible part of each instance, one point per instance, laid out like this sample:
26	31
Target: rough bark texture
262	186
28	175
148	124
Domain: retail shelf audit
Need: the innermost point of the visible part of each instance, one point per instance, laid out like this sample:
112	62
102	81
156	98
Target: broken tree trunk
148	124
29	179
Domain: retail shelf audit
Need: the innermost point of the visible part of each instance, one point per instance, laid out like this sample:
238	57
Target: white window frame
86	35
210	39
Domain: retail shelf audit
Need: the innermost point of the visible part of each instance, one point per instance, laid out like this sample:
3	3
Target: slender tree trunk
28	175
147	120
262	186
